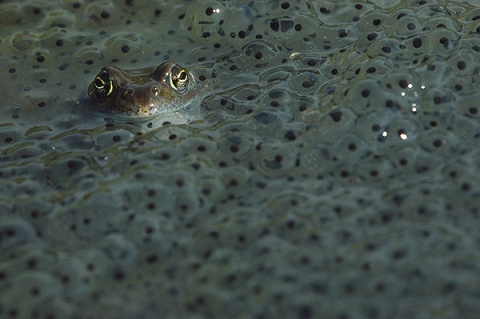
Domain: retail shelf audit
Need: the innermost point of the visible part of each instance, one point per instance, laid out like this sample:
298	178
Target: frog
145	92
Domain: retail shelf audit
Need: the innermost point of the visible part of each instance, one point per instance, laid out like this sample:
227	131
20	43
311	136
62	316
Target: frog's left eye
102	86
179	78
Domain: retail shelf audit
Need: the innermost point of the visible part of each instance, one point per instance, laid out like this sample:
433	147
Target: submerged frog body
144	92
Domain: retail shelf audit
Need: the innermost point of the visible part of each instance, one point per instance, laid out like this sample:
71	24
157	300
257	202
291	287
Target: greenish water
330	169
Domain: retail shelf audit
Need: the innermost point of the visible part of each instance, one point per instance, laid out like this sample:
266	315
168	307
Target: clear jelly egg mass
239	159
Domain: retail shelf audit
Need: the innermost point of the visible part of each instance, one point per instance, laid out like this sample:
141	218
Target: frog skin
142	92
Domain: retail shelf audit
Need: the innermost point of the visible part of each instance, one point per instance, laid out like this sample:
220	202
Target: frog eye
179	78
102	86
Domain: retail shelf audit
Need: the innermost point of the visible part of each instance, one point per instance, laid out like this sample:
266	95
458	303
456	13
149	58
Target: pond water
327	169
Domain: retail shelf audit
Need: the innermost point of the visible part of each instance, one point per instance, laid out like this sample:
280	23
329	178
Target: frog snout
139	97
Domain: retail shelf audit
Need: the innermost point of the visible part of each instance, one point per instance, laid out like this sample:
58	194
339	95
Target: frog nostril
127	93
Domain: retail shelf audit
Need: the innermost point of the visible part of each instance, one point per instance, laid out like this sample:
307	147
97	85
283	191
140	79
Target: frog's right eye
179	78
102	86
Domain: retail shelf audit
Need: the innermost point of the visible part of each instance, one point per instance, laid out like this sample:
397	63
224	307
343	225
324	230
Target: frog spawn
347	178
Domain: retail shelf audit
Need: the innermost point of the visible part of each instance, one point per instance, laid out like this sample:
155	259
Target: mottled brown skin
142	92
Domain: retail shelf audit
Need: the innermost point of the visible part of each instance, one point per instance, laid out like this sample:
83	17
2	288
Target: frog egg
89	55
205	17
22	42
102	15
108	139
437	22
307	82
408	25
11	14
284	8
331	15
468	106
123	45
16	233
464	63
10	137
274	158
